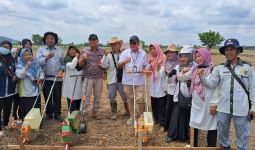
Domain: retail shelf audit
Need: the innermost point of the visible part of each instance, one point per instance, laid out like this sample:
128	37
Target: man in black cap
236	83
90	60
133	62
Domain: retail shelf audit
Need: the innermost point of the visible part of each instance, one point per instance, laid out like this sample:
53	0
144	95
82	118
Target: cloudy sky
154	21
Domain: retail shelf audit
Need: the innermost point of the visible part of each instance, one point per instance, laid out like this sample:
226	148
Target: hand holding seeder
57	75
202	66
143	72
82	75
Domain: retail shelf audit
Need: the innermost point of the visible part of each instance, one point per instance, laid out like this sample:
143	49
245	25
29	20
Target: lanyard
134	60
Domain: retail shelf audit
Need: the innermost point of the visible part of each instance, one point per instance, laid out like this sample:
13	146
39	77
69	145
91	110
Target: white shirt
138	60
184	88
171	84
200	117
69	82
158	87
107	62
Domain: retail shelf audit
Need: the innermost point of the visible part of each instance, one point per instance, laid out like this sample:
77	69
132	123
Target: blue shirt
7	85
53	65
26	86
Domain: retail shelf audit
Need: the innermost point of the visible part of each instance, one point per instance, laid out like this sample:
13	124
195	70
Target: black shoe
168	139
58	118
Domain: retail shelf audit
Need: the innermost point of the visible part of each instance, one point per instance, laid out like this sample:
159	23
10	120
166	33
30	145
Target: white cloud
157	21
6	4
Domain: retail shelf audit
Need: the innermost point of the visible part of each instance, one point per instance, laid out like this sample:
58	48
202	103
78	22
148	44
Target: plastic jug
34	118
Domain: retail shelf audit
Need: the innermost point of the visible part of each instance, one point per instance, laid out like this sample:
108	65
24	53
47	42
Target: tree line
210	39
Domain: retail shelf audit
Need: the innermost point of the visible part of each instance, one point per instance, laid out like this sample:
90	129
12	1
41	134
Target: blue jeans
242	130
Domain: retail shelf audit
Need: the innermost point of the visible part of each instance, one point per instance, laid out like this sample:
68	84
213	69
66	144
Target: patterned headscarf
196	84
156	60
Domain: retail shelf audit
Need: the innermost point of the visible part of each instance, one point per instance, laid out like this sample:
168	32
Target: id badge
134	69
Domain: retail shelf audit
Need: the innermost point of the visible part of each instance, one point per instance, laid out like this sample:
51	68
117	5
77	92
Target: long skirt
179	125
169	110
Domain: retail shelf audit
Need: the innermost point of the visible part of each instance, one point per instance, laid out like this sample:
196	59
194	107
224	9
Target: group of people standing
205	97
186	90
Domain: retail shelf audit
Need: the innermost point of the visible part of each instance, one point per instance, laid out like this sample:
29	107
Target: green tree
107	44
142	44
101	45
86	44
37	39
60	40
210	39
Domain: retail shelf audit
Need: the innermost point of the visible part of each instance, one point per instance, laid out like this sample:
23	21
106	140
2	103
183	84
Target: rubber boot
126	109
114	110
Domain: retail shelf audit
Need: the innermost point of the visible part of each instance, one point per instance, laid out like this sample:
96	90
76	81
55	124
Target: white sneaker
130	120
187	146
19	121
1	133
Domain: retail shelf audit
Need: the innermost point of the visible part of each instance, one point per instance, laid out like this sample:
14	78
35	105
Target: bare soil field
107	132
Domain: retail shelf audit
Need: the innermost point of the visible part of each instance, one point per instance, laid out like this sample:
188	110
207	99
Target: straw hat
171	48
114	40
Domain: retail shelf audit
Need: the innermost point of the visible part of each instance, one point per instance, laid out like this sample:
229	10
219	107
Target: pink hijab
157	58
196	84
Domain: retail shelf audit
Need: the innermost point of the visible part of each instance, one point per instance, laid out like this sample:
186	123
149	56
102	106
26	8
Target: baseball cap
93	37
134	38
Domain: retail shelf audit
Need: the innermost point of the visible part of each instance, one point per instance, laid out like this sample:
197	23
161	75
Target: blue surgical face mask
4	51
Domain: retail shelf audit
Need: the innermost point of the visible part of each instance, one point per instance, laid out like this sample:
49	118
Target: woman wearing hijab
8	82
158	85
171	62
30	77
27	44
72	85
179	123
201	116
